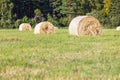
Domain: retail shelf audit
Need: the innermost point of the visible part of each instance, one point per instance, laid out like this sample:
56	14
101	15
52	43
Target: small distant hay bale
85	25
25	27
45	28
118	28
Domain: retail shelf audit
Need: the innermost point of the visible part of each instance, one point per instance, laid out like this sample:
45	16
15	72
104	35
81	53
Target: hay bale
44	28
85	25
25	27
118	28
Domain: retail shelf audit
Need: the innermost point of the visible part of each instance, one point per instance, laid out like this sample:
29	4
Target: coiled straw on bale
85	25
25	27
44	28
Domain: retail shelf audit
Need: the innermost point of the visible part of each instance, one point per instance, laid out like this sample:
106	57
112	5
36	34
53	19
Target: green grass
60	56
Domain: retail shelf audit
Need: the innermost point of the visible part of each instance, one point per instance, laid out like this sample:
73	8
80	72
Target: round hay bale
44	28
85	25
118	28
25	27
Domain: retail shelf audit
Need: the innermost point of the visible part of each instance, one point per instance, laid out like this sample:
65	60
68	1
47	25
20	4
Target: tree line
59	12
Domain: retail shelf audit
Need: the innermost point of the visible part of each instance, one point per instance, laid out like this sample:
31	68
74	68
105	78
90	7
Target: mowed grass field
60	56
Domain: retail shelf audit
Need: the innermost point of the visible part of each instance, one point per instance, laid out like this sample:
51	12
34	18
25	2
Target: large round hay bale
118	28
44	28
25	27
85	25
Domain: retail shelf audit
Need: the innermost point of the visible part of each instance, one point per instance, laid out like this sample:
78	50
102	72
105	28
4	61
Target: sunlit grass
60	56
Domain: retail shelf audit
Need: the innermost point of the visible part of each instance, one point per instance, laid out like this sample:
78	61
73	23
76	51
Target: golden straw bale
25	27
44	28
85	25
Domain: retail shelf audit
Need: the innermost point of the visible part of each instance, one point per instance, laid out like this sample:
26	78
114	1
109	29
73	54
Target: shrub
52	20
17	23
64	21
25	19
32	22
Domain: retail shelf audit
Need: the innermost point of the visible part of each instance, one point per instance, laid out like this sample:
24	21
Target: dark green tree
6	14
26	8
114	13
60	12
55	5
